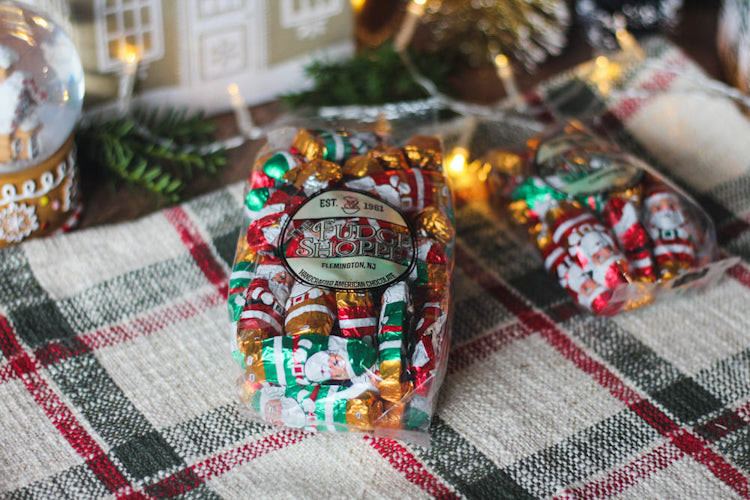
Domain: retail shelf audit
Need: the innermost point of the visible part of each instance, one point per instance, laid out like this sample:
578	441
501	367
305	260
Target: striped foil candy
317	408
306	360
265	229
431	265
332	146
394	314
310	310
270	268
429	337
262	317
357	315
621	214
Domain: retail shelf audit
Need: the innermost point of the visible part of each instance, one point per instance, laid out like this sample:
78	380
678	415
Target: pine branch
370	77
155	151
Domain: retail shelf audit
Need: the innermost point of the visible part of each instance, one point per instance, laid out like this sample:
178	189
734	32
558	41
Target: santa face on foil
595	251
278	280
284	411
327	365
672	232
587	290
665	213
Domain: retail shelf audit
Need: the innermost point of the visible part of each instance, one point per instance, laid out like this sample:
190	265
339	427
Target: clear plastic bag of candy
340	291
615	233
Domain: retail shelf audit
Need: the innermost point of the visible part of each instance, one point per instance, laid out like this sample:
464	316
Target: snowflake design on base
17	222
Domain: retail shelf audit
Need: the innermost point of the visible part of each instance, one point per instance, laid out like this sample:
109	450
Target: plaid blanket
116	378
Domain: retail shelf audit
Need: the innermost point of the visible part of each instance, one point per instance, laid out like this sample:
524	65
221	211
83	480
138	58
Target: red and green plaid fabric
117	380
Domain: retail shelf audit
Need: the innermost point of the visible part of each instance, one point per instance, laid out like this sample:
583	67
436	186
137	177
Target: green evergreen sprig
158	151
370	77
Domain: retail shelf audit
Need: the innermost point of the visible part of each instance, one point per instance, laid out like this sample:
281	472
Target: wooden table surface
695	34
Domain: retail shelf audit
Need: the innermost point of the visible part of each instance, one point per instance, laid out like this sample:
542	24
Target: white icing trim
48	182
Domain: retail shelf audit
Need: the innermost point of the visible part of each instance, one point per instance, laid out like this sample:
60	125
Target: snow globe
41	93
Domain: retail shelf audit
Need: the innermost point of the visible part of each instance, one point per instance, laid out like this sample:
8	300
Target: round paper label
347	240
580	164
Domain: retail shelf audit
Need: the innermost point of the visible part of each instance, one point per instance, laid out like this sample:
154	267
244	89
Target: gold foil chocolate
361	166
357	314
255	371
309	145
309	310
435	224
424	152
391	157
250	343
391	388
319	169
505	161
244	252
363	411
393	415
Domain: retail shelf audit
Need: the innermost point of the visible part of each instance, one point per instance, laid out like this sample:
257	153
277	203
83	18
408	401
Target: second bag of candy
613	232
340	290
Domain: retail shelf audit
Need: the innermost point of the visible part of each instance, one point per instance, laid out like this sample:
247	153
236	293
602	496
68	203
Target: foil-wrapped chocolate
621	213
429	335
424	152
357	315
262	317
671	230
392	331
310	309
317	408
310	359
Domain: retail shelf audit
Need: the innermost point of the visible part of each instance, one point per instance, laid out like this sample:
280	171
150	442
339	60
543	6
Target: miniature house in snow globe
41	93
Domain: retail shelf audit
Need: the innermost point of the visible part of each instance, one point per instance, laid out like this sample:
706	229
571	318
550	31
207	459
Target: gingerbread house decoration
190	51
26	138
19	97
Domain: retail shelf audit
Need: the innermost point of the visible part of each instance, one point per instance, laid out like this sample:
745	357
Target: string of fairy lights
601	72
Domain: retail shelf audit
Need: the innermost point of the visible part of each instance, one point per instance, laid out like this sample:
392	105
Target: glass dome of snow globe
41	94
41	86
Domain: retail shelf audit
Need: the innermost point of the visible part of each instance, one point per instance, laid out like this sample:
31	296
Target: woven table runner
116	378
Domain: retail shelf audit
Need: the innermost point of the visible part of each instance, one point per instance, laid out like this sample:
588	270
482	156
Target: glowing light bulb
234	95
129	54
130	58
628	44
505	73
604	74
501	61
458	159
406	32
241	114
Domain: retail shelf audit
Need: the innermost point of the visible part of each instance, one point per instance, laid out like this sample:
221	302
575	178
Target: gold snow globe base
40	200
